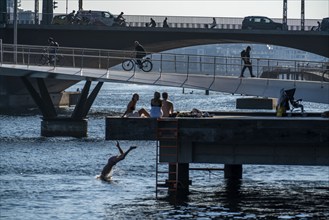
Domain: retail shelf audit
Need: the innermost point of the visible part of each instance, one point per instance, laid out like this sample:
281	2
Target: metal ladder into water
167	147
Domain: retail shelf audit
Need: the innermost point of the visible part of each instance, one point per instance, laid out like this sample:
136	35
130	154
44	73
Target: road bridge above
162	39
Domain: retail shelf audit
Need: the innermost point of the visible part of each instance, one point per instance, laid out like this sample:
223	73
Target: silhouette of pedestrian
165	23
213	24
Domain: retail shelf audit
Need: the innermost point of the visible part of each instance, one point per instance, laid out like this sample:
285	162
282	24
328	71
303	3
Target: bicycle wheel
59	60
127	65
40	60
147	66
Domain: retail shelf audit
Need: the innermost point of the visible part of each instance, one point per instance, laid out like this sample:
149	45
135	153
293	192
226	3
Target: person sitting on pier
130	111
156	104
167	106
107	170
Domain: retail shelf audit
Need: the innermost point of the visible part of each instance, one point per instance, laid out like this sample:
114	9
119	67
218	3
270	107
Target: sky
314	9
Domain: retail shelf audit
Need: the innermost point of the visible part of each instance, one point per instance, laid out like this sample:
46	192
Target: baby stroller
286	100
295	104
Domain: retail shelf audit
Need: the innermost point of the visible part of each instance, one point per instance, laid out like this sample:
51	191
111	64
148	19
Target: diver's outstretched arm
118	146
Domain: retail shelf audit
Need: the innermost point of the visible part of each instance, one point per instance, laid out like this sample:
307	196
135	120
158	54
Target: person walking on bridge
165	23
213	24
245	55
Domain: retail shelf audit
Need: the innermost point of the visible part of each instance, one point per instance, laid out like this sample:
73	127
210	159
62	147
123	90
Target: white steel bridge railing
163	63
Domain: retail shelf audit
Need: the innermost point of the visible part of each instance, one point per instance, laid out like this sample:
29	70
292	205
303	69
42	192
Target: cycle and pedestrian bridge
179	70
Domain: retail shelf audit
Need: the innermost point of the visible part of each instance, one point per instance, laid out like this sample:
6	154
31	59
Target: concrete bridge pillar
54	125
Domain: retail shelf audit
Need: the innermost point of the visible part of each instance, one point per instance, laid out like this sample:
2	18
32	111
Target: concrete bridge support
53	125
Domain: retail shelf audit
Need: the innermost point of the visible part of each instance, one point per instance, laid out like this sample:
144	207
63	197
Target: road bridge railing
173	21
163	63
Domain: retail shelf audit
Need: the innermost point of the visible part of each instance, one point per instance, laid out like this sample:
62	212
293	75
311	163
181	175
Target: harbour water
54	178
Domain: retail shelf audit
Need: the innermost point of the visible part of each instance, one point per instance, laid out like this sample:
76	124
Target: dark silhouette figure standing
245	55
140	53
105	175
213	24
319	26
120	20
165	23
70	17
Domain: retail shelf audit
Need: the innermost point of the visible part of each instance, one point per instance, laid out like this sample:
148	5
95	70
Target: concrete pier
236	139
67	127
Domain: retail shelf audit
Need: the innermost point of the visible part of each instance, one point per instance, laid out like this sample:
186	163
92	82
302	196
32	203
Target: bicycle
129	64
47	58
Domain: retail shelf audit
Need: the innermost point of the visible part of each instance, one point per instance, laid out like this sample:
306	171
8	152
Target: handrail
1	54
166	62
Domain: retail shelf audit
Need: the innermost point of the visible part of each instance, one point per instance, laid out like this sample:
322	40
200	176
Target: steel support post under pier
233	171
179	181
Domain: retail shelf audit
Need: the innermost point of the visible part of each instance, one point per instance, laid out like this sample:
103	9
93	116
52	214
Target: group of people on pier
159	107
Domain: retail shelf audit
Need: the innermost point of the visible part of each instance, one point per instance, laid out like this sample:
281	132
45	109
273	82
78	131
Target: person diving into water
105	175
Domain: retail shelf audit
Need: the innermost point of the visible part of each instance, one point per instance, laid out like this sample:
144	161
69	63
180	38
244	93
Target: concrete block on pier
255	103
118	128
66	127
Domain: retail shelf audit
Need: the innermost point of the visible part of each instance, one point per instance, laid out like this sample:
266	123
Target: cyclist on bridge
140	53
52	49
